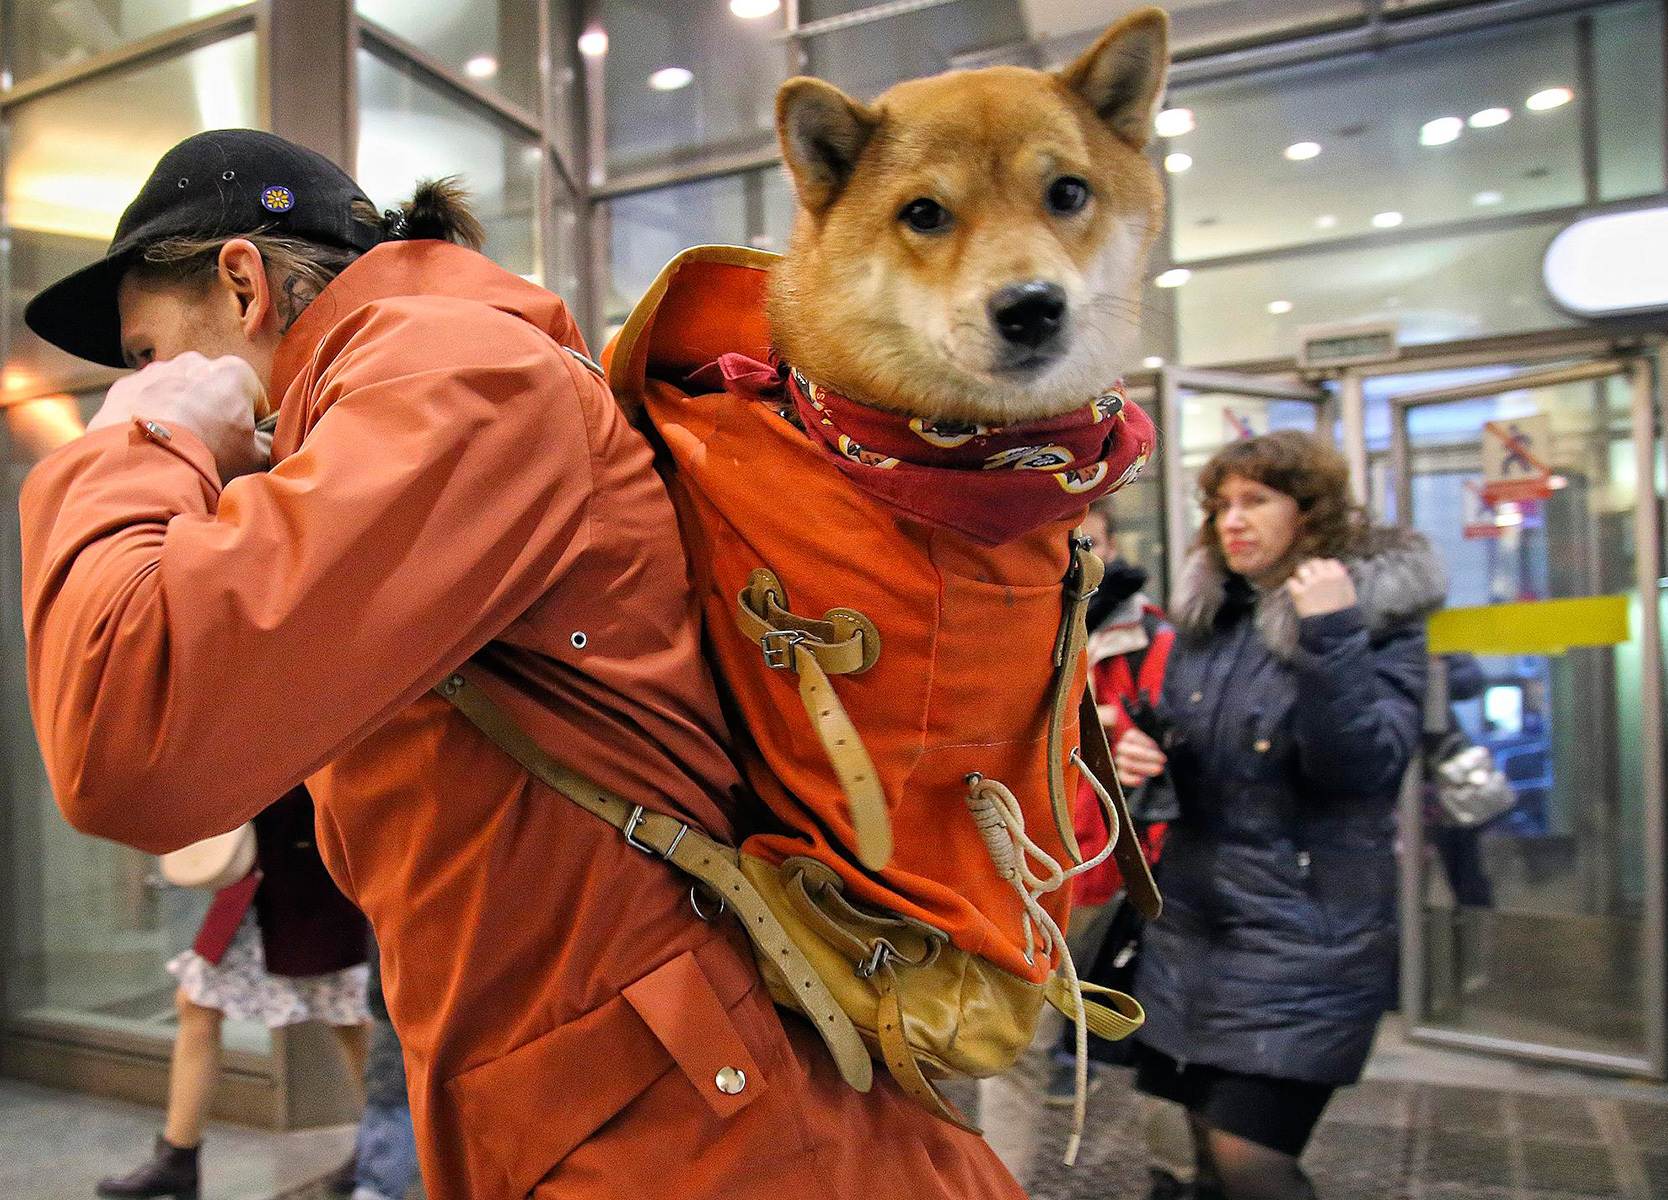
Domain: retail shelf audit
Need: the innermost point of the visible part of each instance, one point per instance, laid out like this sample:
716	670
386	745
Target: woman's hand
1321	586
1137	758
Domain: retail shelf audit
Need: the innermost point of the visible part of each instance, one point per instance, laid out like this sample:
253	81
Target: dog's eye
1068	194
925	216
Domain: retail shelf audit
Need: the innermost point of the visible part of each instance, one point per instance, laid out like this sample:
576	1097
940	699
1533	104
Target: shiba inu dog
970	248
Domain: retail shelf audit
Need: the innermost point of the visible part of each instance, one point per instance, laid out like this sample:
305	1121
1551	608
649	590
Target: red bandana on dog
991	483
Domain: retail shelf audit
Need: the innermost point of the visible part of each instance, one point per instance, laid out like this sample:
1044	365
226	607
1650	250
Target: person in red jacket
1129	644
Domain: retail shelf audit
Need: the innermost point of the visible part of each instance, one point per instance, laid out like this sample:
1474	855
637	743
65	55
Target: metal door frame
1171	382
1643	370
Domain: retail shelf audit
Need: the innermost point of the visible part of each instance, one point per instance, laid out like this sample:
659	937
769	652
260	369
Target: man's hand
213	398
1137	758
1321	586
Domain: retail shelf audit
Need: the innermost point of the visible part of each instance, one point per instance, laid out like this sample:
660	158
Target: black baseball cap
226	183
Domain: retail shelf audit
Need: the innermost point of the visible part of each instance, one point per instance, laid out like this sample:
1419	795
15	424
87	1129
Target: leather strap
1081	581
843	642
1127	852
900	1060
691	851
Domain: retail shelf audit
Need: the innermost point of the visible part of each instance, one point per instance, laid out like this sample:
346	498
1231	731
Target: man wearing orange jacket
450	485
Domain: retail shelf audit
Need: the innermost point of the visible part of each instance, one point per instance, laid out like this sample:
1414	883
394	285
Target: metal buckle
779	657
632	822
879	951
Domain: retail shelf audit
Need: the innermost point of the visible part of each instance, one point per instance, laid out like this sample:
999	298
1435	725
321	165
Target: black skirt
1277	1113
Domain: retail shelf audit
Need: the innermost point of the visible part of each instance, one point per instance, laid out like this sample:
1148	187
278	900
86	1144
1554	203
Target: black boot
171	1172
1166	1186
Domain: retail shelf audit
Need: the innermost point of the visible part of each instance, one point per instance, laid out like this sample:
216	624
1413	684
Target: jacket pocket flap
678	1003
524	1111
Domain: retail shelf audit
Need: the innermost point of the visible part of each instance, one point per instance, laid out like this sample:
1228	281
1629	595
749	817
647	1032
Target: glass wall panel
493	42
1532	923
1438	290
91	928
868	59
42	35
682	80
410	131
78	156
1628	64
1420	135
647	229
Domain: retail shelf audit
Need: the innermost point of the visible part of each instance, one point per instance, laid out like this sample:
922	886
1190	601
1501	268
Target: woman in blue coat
1293	705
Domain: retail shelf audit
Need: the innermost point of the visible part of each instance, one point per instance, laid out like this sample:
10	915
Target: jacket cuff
181	443
1318	634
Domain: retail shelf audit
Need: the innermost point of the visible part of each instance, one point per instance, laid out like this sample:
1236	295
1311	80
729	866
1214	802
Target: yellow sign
1531	626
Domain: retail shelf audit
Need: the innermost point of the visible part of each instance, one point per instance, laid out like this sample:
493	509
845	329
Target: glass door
1540	933
1202	411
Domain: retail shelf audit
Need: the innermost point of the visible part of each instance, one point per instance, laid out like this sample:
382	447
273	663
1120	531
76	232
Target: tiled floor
1424	1125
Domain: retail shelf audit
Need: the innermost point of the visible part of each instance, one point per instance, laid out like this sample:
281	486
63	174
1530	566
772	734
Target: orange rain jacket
450	484
967	632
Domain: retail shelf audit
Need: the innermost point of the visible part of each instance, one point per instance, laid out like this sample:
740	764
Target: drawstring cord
1001	823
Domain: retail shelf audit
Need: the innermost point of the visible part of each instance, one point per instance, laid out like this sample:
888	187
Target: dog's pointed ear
1122	74
823	131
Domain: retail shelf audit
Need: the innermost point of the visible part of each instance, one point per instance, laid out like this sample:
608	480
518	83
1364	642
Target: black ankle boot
171	1172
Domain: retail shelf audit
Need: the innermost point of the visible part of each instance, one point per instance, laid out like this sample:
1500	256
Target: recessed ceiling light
1174	277
1298	151
1489	117
1326	221
1279	308
749	9
482	66
1486	199
670	79
1173	122
1550	98
1387	220
593	43
1177	163
1441	131
1152	363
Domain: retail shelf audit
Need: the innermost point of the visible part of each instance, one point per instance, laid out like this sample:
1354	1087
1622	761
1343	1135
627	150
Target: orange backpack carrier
909	703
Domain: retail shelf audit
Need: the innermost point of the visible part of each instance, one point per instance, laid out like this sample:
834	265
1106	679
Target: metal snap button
731	1080
158	430
1261	745
1195	697
579	640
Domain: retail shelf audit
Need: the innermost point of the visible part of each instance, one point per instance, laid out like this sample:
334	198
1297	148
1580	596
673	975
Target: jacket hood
1398	578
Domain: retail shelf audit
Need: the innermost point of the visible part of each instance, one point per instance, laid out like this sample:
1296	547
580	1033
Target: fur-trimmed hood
1397	576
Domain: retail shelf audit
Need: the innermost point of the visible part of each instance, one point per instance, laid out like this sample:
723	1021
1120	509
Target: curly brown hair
1330	522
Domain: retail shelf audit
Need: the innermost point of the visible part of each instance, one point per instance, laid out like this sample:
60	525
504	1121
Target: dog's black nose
1029	314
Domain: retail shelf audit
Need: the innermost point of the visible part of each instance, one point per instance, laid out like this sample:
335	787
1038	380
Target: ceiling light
17	381
1326	221
1298	151
1387	220
670	79
593	43
1441	131
1174	277
1153	363
1177	163
1487	199
747	10
1279	308
1490	117
482	66
1173	122
1550	98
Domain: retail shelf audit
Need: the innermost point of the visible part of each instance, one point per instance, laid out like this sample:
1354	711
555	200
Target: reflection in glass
1244	193
1628	53
1430	288
77	158
868	59
728	104
494	43
1533	923
43	36
409	131
647	229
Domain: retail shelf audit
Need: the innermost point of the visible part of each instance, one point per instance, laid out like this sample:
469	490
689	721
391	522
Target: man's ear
242	277
1122	74
823	132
